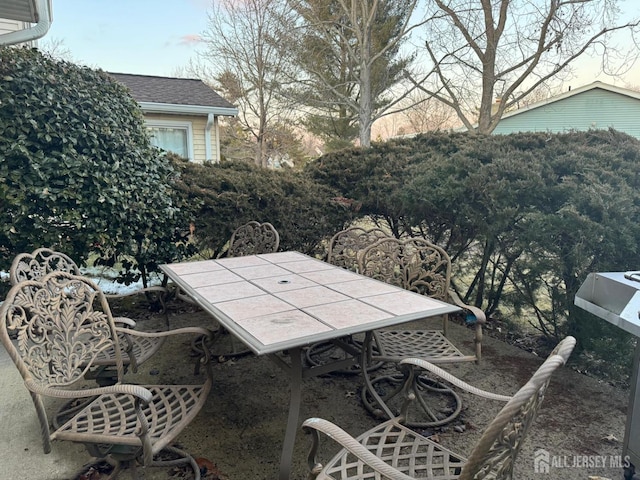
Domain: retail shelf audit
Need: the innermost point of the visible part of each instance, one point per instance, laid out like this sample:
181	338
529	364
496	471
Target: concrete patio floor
21	453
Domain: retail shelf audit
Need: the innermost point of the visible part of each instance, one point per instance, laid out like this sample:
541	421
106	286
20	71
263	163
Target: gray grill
615	297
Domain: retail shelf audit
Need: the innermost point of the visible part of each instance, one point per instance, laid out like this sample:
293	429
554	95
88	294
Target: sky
159	37
130	36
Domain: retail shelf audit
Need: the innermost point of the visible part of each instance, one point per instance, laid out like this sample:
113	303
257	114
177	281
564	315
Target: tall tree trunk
365	114
365	104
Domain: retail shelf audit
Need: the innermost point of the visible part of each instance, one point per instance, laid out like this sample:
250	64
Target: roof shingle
177	91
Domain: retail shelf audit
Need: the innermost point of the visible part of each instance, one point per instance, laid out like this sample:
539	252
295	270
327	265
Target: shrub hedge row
525	217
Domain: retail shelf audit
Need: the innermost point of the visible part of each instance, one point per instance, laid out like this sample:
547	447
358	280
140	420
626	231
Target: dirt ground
241	428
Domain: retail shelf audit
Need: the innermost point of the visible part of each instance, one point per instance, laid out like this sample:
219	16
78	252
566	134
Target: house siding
198	126
592	109
8	26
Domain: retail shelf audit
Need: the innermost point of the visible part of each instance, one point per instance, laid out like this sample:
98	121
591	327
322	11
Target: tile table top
277	301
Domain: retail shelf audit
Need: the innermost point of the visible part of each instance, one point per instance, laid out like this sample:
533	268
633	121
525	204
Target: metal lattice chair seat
414	343
401	448
114	419
393	451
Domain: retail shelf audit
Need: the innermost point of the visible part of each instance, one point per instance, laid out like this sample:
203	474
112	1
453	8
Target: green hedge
223	196
525	216
77	171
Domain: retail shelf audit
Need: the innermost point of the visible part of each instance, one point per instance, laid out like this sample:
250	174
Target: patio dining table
282	302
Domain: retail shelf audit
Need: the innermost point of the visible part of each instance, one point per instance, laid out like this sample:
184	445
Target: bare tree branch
477	48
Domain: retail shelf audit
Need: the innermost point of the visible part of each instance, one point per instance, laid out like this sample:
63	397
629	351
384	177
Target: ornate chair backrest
495	453
253	238
414	264
35	265
62	323
346	245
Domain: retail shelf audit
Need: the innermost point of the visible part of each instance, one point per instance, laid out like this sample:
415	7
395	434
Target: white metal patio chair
251	238
41	262
35	265
63	325
393	451
422	267
346	246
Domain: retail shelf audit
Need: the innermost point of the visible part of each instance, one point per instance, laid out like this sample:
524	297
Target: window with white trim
176	137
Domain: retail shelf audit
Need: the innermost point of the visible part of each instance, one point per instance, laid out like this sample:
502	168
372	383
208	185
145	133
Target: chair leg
223	346
99	467
183	458
104	375
435	404
227	345
131	459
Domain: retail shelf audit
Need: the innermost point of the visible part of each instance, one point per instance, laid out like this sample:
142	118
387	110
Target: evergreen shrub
221	197
77	170
525	217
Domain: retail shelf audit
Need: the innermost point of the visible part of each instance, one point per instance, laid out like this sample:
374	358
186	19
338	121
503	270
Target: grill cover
614	297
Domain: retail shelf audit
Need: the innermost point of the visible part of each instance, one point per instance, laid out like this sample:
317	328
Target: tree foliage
525	217
77	171
348	58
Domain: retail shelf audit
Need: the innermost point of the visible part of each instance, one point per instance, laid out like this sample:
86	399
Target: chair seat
111	418
431	345
400	447
143	349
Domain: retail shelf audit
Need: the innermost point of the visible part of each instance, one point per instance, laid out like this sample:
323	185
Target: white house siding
198	126
592	109
7	26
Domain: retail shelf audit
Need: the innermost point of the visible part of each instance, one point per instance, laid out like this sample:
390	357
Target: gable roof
571	93
174	95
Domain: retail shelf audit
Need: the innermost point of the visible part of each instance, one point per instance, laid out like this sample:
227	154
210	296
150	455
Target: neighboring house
181	113
594	106
24	21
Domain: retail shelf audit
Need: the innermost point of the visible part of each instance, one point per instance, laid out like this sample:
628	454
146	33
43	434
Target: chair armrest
127	389
179	294
127	322
315	425
167	333
202	333
163	295
478	313
140	291
418	362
